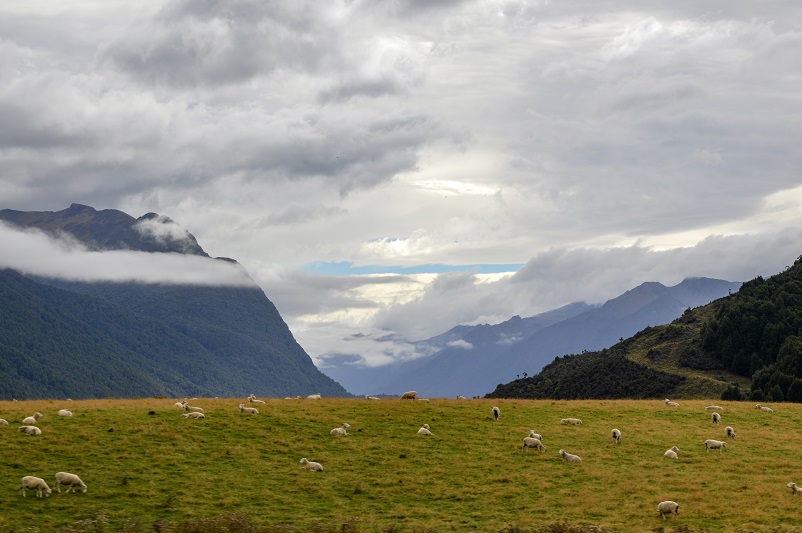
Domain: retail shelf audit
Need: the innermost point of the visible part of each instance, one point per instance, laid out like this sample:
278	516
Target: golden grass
143	469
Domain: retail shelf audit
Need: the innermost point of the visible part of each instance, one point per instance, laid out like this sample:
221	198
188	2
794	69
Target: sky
386	170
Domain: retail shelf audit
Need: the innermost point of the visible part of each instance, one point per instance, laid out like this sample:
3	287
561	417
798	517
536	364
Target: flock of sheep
533	440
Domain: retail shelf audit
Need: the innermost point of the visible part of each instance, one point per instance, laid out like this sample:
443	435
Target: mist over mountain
476	359
162	338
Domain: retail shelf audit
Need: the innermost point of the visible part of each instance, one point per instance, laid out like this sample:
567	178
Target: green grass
159	471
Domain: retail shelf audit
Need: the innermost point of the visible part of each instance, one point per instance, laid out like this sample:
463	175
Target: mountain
709	351
97	339
489	355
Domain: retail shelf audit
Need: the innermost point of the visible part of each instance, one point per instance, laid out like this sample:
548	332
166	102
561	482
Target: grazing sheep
69	480
796	491
193	415
534	435
671	404
764	409
460	397
424	430
248	410
716	418
253	399
671	453
496	413
531	442
730	432
340	431
616	435
409	395
3	422
312	466
193	409
316	396
64	412
30	430
569	457
713	408
31	420
31	482
668	507
372	398
574	421
711	444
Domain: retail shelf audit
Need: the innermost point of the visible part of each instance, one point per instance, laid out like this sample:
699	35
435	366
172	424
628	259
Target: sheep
531	442
409	395
496	413
339	431
69	480
534	435
764	409
616	435
193	415
372	398
729	432
569	457
30	430
180	405
3	422
315	396
311	465
711	444
424	430
716	418
713	408
64	412
31	482
671	404
192	409
796	491
574	421
460	397
671	453
253	399
668	507
423	400
31	420
248	410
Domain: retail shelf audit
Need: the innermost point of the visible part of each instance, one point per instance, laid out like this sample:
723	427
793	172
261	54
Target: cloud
461	344
37	253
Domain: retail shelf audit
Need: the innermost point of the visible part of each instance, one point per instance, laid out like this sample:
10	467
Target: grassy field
147	469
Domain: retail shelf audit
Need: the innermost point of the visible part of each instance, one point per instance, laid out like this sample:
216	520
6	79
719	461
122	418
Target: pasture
149	472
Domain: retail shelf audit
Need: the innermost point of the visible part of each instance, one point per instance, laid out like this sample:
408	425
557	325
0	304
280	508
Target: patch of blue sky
346	268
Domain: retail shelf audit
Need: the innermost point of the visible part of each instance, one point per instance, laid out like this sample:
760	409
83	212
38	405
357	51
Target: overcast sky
405	166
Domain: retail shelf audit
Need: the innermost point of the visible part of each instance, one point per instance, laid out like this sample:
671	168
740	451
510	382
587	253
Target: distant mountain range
101	339
473	360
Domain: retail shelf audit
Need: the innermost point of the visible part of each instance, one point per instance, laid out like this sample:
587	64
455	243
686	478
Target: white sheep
409	395
423	400
311	465
372	398
3	422
64	412
424	430
616	435
729	432
31	420
248	410
569	457
796	491
671	453
531	442
711	444
764	409
340	431
460	397
315	396
30	430
193	409
671	404
713	408
573	421
193	415
716	418
668	507
534	435
180	405
31	483
496	413
69	480
253	399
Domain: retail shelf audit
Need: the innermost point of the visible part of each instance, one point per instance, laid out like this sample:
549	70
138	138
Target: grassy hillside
157	471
